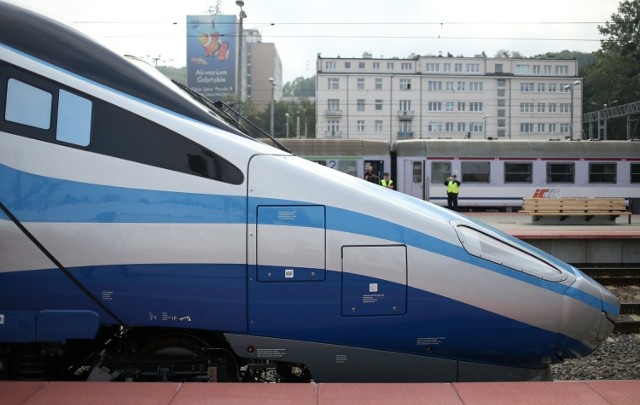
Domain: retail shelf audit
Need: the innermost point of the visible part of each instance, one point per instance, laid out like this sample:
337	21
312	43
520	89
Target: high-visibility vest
385	184
453	187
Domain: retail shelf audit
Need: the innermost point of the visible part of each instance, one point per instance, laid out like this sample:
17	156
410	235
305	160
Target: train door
414	181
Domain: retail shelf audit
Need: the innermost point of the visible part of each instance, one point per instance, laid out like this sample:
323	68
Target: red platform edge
558	392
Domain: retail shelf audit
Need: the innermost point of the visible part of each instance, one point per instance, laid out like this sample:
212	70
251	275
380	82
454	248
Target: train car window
440	171
635	172
518	172
501	252
120	133
561	172
348	166
74	119
476	172
28	105
602	173
417	172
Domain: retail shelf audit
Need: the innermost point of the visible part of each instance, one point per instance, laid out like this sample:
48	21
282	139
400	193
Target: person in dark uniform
453	189
370	175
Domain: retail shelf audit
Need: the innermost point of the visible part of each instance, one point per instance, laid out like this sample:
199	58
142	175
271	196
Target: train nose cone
589	315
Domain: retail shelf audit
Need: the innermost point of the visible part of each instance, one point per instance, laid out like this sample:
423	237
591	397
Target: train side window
518	172
561	172
417	172
602	173
74	119
476	172
635	172
28	105
440	171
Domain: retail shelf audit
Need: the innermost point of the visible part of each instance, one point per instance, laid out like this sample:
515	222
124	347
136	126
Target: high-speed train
144	238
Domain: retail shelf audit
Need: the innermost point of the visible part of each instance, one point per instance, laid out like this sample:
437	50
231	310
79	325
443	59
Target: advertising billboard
211	54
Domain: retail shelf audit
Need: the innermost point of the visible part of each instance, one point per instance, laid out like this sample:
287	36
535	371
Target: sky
301	29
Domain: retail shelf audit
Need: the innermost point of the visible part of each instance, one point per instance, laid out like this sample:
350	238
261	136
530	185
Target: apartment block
448	97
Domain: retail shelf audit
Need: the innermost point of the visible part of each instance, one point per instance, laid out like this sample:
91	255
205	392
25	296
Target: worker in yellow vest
386	182
453	188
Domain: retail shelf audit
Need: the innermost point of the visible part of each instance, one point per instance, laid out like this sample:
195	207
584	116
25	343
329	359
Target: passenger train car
144	238
499	173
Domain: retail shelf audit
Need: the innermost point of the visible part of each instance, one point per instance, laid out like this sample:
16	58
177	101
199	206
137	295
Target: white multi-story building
447	97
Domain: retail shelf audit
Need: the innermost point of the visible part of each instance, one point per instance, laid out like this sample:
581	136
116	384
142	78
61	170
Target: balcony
333	113
405	134
405	114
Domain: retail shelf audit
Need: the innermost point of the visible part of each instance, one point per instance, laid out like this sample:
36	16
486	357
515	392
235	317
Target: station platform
540	393
617	242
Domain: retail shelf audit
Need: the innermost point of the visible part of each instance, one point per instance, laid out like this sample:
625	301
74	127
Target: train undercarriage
142	355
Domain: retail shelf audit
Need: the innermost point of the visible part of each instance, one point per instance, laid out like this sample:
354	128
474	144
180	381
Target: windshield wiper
223	111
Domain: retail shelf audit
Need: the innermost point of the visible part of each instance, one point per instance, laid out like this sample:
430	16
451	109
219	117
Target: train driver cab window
440	171
518	172
74	119
560	173
602	173
476	172
28	105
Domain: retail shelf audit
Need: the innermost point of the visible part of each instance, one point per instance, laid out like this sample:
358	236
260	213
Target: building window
458	67
448	126
540	107
449	105
552	107
476	106
476	127
378	84
434	106
541	128
360	104
376	65
526	107
434	127
522	69
547	69
405	127
476	172
476	86
518	172
390	65
405	66
462	126
502	82
378	105
447	67
405	105
360	65
460	86
333	83
432	67
333	104
560	172
498	67
526	127
501	93
565	107
449	86
526	87
552	88
405	84
536	69
330	65
564	128
552	128
347	65
378	125
360	84
473	68
334	127
562	70
540	87
434	85
360	125
461	106
502	103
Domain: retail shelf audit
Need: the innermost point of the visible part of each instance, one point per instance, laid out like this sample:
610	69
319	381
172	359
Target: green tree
300	87
616	74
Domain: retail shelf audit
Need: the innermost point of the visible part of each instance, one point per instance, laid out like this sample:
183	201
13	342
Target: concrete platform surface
540	393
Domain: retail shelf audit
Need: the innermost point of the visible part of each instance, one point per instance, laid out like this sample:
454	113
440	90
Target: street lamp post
604	112
485	125
273	102
242	16
570	87
298	124
287	124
